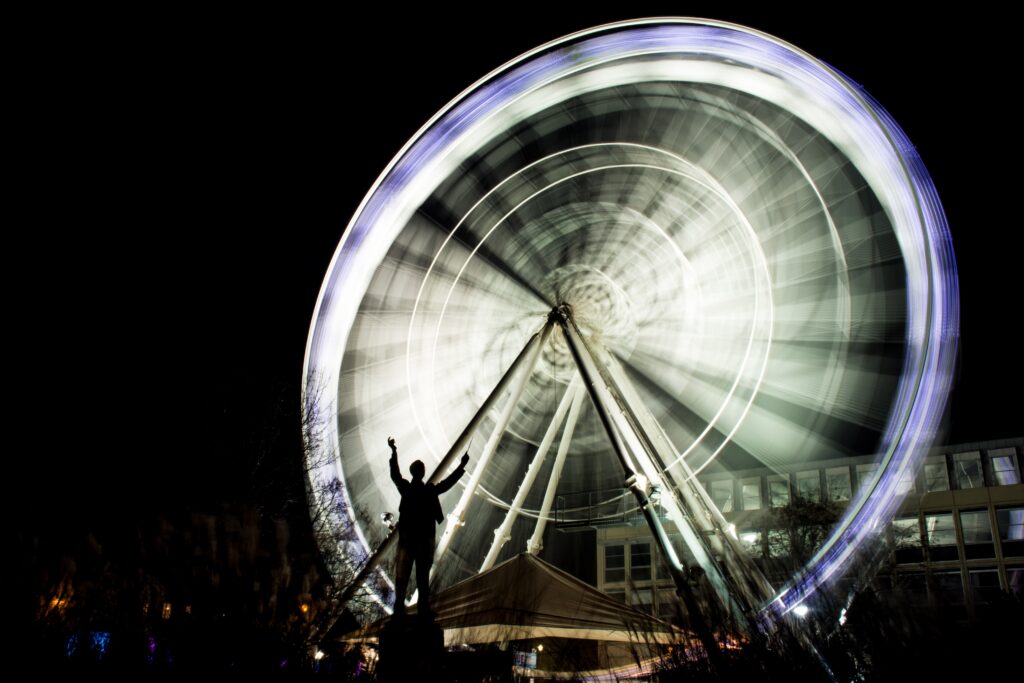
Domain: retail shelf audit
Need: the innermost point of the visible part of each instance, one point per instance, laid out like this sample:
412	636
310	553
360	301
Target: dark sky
188	180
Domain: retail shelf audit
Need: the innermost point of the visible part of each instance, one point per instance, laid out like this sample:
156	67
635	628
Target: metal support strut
585	364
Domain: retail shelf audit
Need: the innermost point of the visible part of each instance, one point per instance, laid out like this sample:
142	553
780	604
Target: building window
614	564
865	473
984	585
808	485
906	483
1004	466
721	494
751	542
751	494
668	606
906	539
977	532
936	478
1011	531
1015	581
837	479
661	567
640	562
914	587
968	470
778	491
778	543
643	600
948	588
941	536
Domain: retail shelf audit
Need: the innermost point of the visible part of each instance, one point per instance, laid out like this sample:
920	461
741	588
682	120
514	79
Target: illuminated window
721	494
906	531
977	531
614	563
865	473
941	536
906	484
778	491
808	485
1004	466
778	543
1011	531
166	612
751	541
906	537
837	479
936	478
640	562
968	470
751	494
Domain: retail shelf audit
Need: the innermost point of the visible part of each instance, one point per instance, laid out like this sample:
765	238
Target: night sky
187	182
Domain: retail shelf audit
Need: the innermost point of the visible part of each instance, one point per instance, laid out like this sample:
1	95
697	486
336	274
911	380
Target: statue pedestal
411	648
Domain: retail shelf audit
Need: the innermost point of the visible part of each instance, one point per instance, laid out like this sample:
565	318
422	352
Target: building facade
958	538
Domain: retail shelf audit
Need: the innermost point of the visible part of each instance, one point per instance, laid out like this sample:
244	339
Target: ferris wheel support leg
455	518
747	578
459	447
501	534
594	386
536	542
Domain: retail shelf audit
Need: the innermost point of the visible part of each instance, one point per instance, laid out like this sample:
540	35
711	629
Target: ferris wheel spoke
488	256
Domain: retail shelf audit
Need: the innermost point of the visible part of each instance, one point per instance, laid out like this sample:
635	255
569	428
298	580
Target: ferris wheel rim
936	255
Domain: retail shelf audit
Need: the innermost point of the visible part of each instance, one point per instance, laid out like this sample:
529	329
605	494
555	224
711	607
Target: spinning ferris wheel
638	253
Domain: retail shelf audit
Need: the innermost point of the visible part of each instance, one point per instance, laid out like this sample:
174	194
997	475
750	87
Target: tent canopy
526	598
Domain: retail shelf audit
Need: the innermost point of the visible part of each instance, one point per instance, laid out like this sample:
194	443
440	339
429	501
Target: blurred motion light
744	231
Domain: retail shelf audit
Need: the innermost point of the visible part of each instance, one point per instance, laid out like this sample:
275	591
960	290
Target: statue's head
417	469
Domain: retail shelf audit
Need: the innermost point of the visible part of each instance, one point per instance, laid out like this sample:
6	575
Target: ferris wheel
632	256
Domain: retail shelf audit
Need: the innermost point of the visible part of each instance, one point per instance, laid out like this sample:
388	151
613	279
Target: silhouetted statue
419	513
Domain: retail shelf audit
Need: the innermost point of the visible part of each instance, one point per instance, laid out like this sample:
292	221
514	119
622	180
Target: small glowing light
655	494
540	648
842	616
801	610
304	607
319	655
166	613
